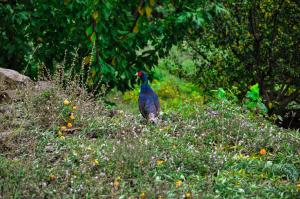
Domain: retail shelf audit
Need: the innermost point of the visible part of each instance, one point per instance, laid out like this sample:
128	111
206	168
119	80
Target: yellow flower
69	125
178	183
66	102
117	183
96	162
159	197
89	148
187	195
159	162
298	187
72	117
63	128
74	107
62	137
59	133
143	195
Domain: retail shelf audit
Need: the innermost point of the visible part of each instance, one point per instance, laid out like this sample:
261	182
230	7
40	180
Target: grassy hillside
212	151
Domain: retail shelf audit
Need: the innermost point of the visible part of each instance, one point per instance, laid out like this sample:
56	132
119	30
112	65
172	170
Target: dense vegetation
249	41
213	151
256	42
104	34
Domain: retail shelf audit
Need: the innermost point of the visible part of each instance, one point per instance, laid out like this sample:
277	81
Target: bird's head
143	76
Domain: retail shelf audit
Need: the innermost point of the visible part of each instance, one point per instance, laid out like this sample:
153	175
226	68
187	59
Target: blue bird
148	100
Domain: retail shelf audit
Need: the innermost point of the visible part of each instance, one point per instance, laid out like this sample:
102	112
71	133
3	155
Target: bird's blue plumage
148	100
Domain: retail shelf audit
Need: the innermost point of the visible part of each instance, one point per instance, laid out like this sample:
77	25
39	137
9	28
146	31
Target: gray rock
11	79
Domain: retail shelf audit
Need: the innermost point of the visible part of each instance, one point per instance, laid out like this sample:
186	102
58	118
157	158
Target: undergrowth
59	141
217	150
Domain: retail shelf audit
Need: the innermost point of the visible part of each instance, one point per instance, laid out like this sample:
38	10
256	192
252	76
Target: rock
11	79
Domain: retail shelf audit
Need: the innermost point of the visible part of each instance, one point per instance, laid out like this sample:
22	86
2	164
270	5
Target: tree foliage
256	42
113	38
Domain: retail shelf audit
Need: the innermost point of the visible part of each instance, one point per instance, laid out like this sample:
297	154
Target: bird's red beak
139	73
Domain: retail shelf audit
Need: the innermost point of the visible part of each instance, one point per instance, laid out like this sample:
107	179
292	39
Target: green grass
213	150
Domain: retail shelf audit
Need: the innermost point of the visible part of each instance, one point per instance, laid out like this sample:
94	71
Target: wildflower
62	137
69	125
159	197
72	117
52	177
298	187
117	183
96	162
159	162
66	102
143	195
262	152
74	107
59	133
187	195
178	183
63	128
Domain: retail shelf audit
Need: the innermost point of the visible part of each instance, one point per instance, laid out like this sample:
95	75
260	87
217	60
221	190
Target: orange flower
262	152
69	125
52	177
117	183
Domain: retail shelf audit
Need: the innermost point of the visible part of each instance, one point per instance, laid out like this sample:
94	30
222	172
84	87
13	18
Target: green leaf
221	94
251	105
262	107
89	31
93	37
255	88
183	17
253	94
